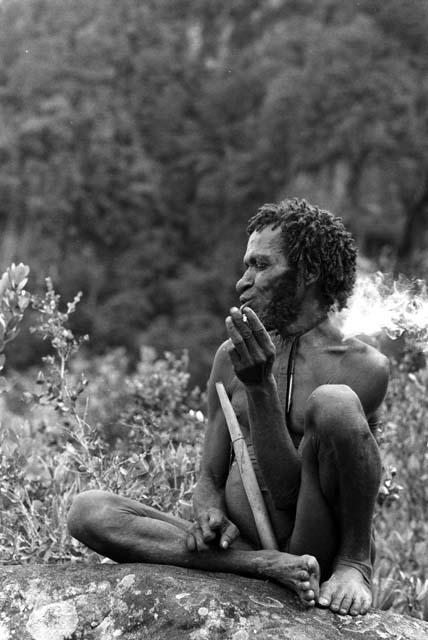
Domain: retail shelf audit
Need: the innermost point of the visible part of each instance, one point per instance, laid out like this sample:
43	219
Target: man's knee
334	409
89	512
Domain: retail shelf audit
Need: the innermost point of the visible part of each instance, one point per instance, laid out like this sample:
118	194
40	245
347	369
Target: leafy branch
14	300
52	327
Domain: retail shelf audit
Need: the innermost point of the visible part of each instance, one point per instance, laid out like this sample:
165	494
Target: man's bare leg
340	478
127	531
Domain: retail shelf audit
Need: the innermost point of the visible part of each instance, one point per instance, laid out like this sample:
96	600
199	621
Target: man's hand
253	352
211	528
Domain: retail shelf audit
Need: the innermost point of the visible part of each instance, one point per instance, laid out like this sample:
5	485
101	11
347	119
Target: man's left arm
252	353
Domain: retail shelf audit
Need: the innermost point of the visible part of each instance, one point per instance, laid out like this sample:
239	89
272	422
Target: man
307	401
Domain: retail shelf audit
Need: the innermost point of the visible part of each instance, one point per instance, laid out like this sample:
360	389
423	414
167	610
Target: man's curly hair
314	241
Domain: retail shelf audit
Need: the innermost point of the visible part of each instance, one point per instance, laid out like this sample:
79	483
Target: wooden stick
248	476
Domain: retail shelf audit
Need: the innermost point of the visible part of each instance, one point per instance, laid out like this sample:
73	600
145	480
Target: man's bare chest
295	382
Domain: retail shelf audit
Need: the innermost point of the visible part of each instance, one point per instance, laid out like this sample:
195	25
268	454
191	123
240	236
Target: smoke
381	304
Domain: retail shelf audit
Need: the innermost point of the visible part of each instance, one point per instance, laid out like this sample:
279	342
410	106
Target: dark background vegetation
136	139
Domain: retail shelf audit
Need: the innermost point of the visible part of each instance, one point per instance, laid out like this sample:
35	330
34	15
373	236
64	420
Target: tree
136	139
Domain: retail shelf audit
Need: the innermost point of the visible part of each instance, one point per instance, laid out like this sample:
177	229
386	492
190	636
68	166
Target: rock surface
135	602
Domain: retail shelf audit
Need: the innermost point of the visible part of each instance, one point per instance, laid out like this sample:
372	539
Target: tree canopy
136	139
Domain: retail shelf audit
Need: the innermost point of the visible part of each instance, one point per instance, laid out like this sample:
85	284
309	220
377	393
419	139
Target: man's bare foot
299	573
346	592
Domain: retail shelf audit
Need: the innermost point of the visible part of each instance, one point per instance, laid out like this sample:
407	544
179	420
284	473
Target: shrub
401	520
47	460
149	450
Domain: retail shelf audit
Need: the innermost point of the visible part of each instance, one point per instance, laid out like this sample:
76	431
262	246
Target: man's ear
312	275
309	275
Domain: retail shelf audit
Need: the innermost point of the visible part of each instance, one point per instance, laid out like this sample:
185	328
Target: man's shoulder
365	356
367	370
354	355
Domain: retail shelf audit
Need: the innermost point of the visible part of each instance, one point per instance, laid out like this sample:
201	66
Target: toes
365	606
303	576
315	585
313	566
308	598
306	593
345	605
336	601
356	607
325	597
345	595
314	574
360	605
334	606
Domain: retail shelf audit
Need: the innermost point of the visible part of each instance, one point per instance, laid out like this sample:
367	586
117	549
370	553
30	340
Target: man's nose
244	283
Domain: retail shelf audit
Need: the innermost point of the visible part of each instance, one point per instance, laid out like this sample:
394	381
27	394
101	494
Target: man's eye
261	265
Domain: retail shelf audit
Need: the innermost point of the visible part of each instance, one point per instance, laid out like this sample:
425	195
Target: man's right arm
212	525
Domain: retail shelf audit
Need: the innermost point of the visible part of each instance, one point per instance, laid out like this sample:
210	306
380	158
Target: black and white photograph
213	319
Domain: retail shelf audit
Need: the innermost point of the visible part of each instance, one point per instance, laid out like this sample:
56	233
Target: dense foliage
401	521
136	139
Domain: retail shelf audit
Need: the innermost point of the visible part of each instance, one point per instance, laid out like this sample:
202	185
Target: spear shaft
248	476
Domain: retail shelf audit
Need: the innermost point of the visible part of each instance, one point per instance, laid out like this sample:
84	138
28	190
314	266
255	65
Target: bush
401	520
136	434
146	453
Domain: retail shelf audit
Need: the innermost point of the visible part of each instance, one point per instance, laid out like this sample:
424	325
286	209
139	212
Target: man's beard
284	306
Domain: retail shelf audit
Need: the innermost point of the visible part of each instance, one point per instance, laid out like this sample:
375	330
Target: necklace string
290	376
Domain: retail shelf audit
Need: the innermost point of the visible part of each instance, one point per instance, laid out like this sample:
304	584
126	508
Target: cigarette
244	317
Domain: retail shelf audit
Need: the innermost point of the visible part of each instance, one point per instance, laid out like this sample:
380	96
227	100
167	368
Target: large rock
135	601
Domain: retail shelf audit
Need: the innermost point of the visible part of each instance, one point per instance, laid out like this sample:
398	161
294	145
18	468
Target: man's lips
245	302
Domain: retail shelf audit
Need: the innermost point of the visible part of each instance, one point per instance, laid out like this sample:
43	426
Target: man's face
269	284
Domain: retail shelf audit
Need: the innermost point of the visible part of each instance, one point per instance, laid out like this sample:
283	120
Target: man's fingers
258	330
230	534
242	329
248	334
254	322
205	530
237	339
215	519
242	326
207	533
234	356
191	542
253	319
195	541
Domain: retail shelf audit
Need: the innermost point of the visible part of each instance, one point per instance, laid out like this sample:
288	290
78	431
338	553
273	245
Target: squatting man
307	401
